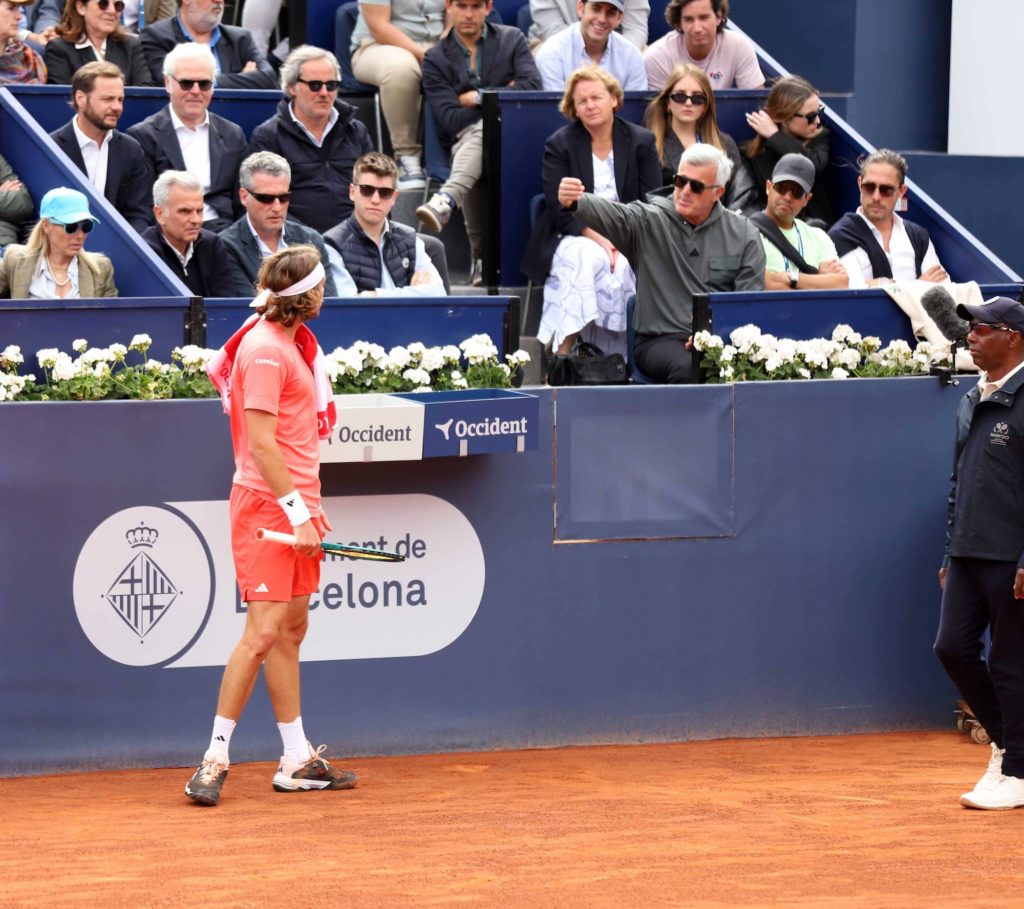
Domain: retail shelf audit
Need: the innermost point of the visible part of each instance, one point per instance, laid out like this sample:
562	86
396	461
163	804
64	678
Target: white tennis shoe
314	773
992	774
1007	792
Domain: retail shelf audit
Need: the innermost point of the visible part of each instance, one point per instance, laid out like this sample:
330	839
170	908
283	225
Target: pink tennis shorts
267	571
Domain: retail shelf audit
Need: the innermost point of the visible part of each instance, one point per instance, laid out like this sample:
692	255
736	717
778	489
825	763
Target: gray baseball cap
998	310
620	5
797	168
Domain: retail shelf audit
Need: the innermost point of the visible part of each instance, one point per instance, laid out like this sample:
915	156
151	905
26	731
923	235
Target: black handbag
588	365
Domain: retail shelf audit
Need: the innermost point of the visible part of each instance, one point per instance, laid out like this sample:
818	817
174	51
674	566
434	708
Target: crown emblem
142	536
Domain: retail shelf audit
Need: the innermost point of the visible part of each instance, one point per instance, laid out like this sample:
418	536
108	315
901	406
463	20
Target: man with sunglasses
593	41
982	575
186	136
239	63
679	247
265	228
699	37
875	242
798	256
371	254
318	134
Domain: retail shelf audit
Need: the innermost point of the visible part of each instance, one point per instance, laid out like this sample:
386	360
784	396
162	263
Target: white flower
519	358
456	376
141	343
773	362
11	357
192	355
727	372
47	357
101	370
417	376
459	382
416	349
745	337
96	355
451	354
848	358
80	345
839	373
399	357
728	354
803	373
118	351
704	340
154	366
871	342
64	368
479	349
432	359
841	332
853	339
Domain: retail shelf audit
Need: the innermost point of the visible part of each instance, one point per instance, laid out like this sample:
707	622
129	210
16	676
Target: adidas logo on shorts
262	589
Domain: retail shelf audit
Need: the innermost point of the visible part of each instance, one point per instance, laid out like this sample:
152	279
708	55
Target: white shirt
604	178
987	388
346	287
44	287
330	125
183	259
195	149
101	54
94	155
565	52
900	254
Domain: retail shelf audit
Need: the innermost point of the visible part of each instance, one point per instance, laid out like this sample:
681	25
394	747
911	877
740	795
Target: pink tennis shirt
269	374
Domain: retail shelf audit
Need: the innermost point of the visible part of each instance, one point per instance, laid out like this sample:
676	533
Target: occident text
375	434
493	427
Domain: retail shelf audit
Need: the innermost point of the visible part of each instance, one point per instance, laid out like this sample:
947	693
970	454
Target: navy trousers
979	595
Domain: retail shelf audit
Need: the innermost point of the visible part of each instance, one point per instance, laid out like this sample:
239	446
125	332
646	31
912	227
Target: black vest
362	257
851	232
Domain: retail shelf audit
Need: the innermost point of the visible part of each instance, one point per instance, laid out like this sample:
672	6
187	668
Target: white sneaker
410	173
435	213
1007	792
315	773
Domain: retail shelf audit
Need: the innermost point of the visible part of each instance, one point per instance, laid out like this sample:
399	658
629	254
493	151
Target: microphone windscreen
941	308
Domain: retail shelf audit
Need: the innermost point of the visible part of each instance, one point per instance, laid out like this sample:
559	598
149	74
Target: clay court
867	820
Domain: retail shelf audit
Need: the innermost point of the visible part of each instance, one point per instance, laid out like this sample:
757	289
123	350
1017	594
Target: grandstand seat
435	249
524	19
344	24
634	373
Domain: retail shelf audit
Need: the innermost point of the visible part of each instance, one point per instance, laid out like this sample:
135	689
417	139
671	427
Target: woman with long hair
53	264
586	280
18	62
791	122
91	30
682	114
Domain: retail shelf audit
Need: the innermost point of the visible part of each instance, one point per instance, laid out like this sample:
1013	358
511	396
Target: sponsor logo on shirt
1000	434
266	361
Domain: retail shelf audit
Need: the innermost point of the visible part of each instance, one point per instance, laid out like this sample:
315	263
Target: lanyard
799	245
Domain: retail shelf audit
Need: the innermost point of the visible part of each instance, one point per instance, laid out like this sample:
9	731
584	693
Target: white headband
299	287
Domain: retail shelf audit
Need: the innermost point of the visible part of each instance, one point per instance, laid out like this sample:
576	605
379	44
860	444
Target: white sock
296	746
221	737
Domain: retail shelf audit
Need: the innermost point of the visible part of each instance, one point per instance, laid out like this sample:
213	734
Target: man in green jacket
15	205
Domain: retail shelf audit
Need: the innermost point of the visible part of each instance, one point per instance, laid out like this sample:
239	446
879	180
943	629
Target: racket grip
275	536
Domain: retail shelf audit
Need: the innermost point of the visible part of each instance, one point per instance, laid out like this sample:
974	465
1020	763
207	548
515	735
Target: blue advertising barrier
807	607
434	321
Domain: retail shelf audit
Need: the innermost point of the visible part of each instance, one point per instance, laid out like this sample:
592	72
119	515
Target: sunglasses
986	328
698	186
75	226
885	190
186	84
316	84
271	198
385	192
786	188
813	115
697	99
106	4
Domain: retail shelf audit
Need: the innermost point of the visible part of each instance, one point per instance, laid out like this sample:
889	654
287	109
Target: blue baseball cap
65	206
998	310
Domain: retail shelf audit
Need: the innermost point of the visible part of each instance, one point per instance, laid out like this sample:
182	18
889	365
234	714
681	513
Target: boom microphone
941	309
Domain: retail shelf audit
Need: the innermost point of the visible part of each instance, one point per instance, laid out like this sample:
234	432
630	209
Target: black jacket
505	57
208	273
245	254
568	153
63	59
320	176
234	49
362	256
228	148
128	187
986	495
818	150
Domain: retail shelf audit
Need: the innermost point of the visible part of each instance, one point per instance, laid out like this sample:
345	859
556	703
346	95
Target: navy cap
997	310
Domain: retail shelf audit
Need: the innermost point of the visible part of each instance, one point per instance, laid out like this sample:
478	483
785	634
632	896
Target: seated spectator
186	136
388	45
239	64
552	16
113	161
318	134
139	14
91	30
265	228
197	257
19	63
699	37
791	124
798	256
473	56
875	242
15	205
683	114
686	245
372	255
53	264
587	281
592	41
40	22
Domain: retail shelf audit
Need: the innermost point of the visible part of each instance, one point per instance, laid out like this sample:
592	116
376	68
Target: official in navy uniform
982	576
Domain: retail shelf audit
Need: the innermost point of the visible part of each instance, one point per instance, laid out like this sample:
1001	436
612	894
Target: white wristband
294	508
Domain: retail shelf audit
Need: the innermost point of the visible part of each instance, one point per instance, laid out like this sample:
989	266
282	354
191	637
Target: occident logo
143	586
495	426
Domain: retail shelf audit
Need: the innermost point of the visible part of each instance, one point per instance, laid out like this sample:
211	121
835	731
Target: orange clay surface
850	821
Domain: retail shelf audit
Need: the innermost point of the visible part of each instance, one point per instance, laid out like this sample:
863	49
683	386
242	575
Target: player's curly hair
281	270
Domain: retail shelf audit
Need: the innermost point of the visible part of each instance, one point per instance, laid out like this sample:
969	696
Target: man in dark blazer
113	162
197	257
265	228
186	136
240	64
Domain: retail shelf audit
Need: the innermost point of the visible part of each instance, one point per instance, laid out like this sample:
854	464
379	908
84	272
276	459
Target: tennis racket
334	550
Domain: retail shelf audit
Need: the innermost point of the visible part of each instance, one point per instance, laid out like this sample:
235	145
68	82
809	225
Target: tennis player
274	386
